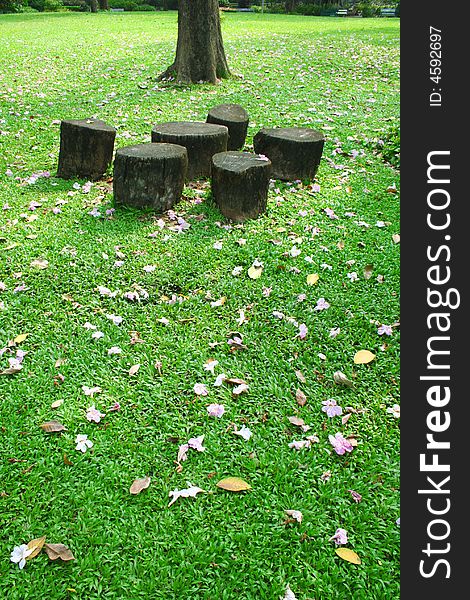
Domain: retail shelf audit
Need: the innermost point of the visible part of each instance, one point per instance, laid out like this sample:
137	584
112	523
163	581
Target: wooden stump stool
294	151
201	140
240	183
86	148
235	118
150	175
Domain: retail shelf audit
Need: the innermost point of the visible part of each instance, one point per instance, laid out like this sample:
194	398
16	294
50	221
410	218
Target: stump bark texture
294	151
235	118
150	175
86	148
240	183
201	140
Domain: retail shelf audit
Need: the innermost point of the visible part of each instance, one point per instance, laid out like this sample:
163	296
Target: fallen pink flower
340	444
340	537
215	410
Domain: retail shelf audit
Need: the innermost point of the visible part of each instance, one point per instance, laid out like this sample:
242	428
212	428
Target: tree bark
290	5
94	6
200	54
104	4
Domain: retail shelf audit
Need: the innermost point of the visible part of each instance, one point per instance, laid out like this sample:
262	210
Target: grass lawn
340	76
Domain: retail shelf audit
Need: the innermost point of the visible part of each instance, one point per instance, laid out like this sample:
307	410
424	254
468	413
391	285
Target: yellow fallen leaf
255	272
349	555
57	403
36	546
312	278
20	338
396	238
363	357
233	484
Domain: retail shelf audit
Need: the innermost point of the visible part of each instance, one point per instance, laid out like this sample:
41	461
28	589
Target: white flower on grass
220	379
244	432
89	391
96	335
237	271
394	410
20	554
114	350
352	276
83	443
93	414
210	365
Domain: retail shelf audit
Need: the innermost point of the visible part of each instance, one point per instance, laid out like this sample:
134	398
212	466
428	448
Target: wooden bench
387	12
342	12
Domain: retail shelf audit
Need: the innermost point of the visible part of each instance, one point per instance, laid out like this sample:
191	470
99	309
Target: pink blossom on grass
340	444
200	389
330	213
331	408
340	537
385	330
303	330
215	410
322	304
355	496
93	414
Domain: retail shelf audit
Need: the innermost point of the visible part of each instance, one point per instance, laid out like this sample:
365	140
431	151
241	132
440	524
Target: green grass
336	75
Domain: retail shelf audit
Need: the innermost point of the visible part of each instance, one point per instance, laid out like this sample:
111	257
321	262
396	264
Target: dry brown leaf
11	370
40	264
36	546
363	357
300	397
341	379
349	555
52	427
235	381
133	370
312	278
233	484
57	403
55	551
368	271
300	376
139	485
297	421
20	338
67	461
396	238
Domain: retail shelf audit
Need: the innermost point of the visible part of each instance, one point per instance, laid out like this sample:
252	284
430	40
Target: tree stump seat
294	151
240	183
235	118
150	175
86	148
201	140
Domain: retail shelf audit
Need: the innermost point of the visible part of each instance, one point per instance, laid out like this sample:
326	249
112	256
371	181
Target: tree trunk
200	54
94	6
290	5
104	4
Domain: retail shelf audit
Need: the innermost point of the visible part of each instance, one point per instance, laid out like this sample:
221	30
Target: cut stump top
294	134
229	112
90	124
153	151
237	162
187	129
